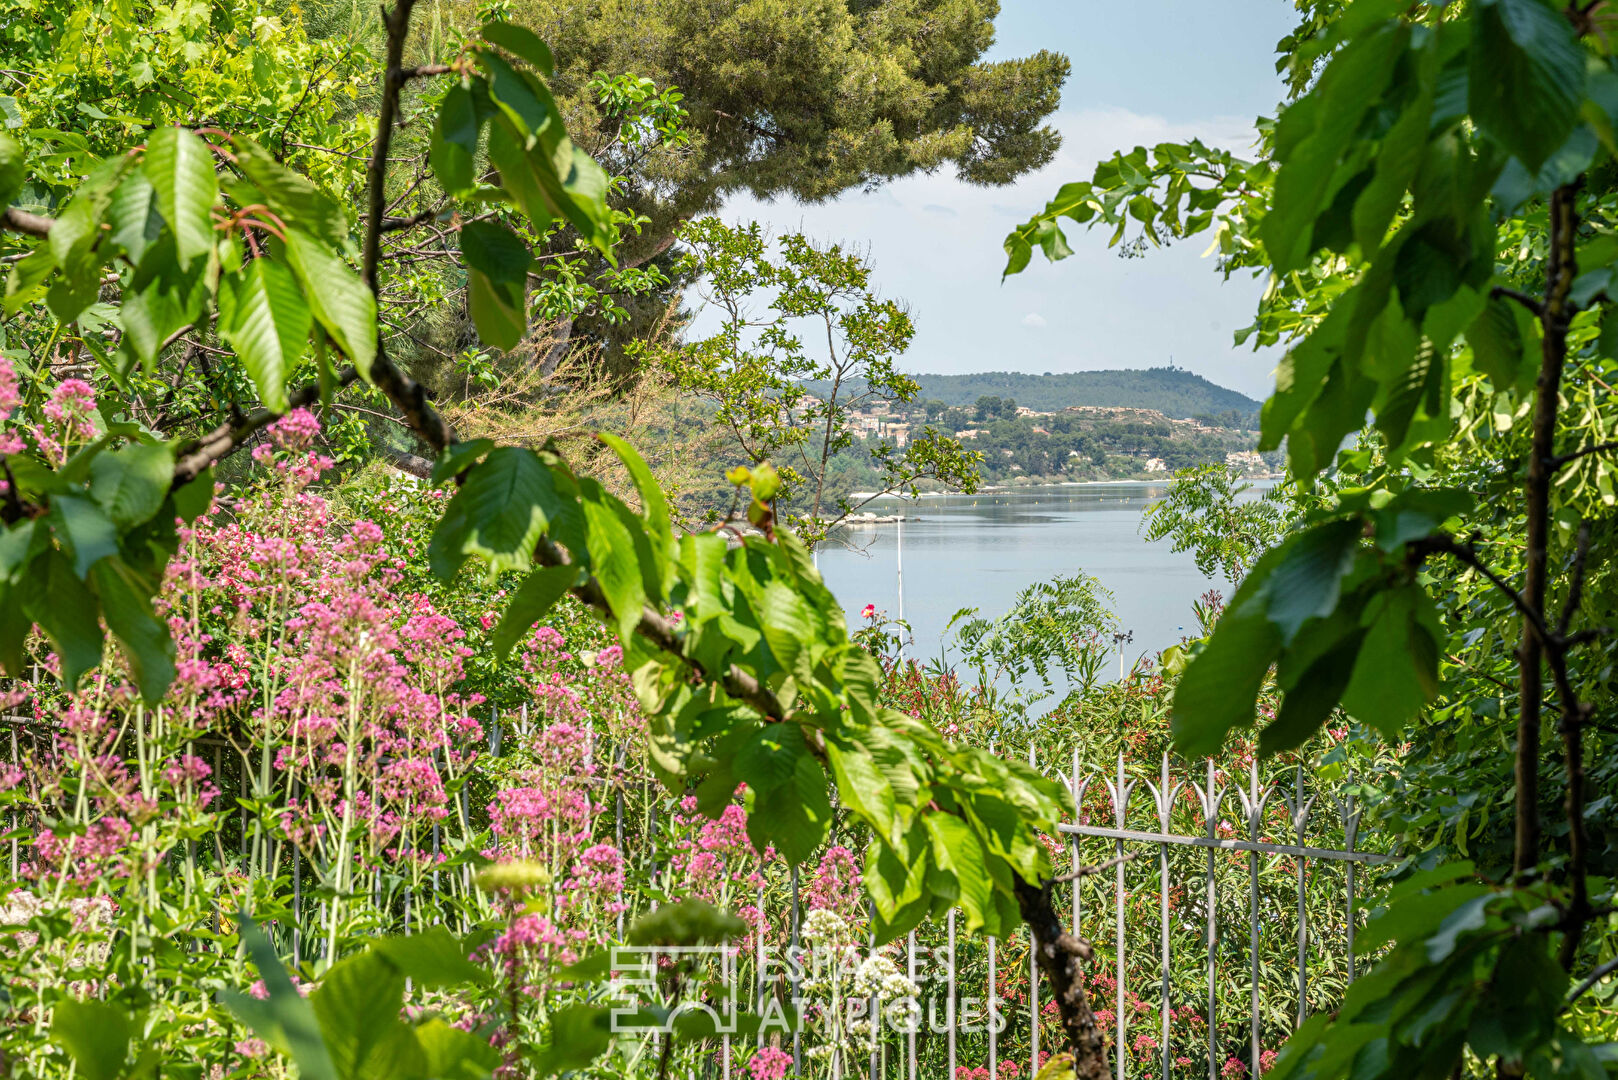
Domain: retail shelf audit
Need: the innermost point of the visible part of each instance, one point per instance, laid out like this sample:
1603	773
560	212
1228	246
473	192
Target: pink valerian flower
252	1048
836	885
72	400
10	395
769	1063
295	431
1266	1060
1233	1068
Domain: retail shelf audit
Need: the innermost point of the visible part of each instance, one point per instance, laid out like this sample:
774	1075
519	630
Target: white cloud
1034	319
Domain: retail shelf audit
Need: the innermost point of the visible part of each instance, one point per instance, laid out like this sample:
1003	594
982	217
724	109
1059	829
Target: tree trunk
1061	956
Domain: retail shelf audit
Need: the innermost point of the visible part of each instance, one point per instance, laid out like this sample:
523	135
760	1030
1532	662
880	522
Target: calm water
980	550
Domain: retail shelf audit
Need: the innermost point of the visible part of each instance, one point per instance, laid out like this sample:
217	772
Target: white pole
899	569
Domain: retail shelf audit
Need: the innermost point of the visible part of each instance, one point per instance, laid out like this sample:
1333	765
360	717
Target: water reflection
980	550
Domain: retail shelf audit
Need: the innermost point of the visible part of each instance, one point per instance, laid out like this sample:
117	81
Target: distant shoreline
1004	489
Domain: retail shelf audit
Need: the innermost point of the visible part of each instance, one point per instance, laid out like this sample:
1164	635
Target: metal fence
1212	836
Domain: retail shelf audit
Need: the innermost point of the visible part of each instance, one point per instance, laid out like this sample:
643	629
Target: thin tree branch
1099	868
226	439
1584	451
1504	292
1589	981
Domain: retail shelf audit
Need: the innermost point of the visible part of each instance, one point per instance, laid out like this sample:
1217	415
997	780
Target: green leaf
861	786
770	758
433	958
1499	342
795	816
162	298
357	1006
1221	683
290	196
285	1020
126	603
192	499
497	263
498	513
1312	683
66	610
131	484
454	147
1527	77
523	101
134	216
654	506
1397	670
453	1054
83	531
340	301
95	1034
263	316
13	169
522	42
459	456
614	556
957	851
180	167
539	592
579	1035
1308	576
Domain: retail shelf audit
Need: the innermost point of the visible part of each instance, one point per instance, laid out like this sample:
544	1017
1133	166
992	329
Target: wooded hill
1173	391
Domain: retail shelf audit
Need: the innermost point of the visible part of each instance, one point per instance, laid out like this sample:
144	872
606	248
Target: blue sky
1142	73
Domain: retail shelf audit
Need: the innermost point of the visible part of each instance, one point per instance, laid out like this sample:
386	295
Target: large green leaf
357	1006
1221	683
654	505
453	1054
499	513
131	484
1397	671
181	169
579	1035
614	555
794	816
95	1034
291	197
497	264
126	603
83	530
338	298
1309	574
538	594
66	610
264	317
522	42
1527	76
163	297
432	958
957	851
285	1020
454	147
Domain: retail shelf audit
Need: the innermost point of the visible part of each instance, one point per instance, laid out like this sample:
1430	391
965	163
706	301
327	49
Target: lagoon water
981	550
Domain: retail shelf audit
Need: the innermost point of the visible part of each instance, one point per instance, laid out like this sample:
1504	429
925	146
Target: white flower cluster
826	927
880	977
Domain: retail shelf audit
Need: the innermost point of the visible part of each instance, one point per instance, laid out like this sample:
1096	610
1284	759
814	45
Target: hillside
1174	392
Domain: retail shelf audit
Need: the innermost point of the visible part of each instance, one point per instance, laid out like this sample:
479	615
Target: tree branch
1504	292
1061	956
1599	448
21	221
226	439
